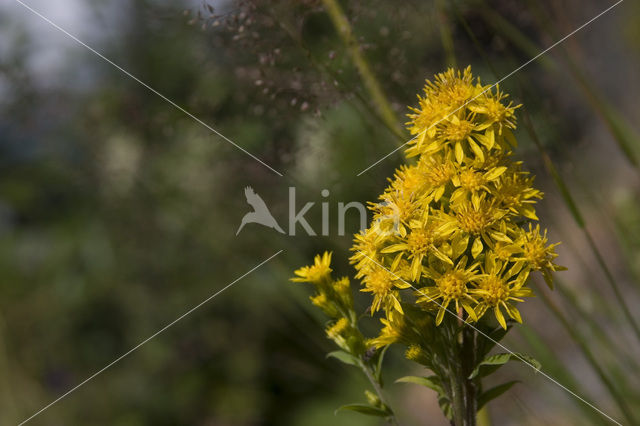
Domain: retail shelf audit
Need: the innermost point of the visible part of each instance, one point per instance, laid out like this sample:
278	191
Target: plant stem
578	217
378	390
580	341
463	390
468	362
457	396
445	34
7	400
341	23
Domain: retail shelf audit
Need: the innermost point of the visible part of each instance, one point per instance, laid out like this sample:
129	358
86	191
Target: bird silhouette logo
260	213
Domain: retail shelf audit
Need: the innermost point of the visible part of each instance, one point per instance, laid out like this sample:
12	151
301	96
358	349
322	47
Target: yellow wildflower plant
464	201
334	297
448	253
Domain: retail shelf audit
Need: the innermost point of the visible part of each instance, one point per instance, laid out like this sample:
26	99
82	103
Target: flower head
538	254
382	283
500	287
456	285
453	223
394	330
319	271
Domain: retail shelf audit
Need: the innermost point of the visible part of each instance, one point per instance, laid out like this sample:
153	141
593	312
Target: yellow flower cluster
456	225
335	299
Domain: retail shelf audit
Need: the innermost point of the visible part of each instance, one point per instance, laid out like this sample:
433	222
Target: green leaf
493	362
445	406
365	409
494	335
345	357
431	382
377	359
494	392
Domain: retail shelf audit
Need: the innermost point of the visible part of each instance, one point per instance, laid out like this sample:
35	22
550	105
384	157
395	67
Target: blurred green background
118	212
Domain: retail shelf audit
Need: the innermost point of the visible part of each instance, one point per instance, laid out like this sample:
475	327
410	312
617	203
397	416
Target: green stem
8	403
463	390
596	328
573	207
342	26
579	340
468	362
623	134
457	399
378	390
445	34
334	77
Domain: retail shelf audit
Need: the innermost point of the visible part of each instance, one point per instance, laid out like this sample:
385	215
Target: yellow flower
316	273
449	91
425	235
340	332
437	171
513	191
392	214
454	227
500	287
409	181
366	248
338	328
452	88
382	283
470	181
494	111
417	354
538	254
342	288
394	330
504	250
480	217
453	285
320	300
455	129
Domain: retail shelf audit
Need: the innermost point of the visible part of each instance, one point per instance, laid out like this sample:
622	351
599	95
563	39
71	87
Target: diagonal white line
496	83
499	344
147	339
127	73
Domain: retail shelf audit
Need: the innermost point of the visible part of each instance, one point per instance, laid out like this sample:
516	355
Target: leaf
445	406
345	357
493	362
365	409
494	335
494	392
431	382
380	359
